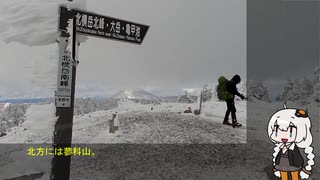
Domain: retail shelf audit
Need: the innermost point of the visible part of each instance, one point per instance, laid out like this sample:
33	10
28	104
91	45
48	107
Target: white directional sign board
63	93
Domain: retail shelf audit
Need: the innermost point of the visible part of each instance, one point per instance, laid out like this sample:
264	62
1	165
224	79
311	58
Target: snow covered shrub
301	91
88	105
206	93
12	115
316	90
145	101
257	91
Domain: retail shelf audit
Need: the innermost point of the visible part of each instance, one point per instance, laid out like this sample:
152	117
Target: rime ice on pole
38	19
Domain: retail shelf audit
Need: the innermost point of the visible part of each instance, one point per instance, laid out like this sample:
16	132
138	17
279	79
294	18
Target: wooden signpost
71	23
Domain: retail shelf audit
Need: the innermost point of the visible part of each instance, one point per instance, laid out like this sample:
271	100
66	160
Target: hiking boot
235	124
226	122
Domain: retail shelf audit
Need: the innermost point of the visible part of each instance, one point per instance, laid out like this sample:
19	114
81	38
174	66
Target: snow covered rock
2	134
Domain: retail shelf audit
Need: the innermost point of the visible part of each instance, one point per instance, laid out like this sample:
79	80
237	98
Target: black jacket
232	86
294	156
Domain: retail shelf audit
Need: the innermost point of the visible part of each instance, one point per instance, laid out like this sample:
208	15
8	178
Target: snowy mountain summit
134	94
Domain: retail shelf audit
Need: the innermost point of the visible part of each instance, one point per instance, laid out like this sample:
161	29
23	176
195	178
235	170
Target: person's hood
236	79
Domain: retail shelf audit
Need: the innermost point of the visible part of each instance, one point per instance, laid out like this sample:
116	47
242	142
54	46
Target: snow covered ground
165	124
140	151
138	124
252	160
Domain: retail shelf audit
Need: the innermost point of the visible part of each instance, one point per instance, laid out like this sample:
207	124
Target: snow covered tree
12	115
316	82
306	88
185	98
206	93
88	105
242	88
301	91
257	91
289	87
317	74
145	101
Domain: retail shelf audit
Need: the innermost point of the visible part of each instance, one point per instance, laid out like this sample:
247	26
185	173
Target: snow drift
32	22
14	115
36	124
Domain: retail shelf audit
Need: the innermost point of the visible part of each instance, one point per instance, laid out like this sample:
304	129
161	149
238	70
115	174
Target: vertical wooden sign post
89	24
64	99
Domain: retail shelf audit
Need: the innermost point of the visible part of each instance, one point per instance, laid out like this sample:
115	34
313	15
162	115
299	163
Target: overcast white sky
189	43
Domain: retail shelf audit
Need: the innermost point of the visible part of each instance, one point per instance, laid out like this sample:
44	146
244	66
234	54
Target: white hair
303	139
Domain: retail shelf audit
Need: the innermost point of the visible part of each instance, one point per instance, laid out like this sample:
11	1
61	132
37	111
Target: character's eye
291	127
277	128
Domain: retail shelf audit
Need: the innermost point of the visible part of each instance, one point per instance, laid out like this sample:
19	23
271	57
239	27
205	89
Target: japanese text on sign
106	27
64	73
63	92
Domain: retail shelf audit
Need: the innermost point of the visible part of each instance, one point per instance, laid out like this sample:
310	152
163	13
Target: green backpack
222	89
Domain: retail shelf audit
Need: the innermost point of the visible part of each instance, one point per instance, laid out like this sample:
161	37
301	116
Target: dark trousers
230	109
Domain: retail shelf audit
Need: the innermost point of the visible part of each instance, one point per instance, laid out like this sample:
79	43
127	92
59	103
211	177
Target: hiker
231	88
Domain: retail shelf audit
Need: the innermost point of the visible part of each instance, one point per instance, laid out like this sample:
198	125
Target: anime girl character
289	130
